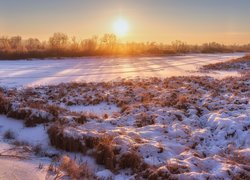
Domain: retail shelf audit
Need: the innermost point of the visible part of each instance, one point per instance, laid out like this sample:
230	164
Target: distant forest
61	45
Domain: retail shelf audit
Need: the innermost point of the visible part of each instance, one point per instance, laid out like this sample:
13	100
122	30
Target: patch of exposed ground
179	127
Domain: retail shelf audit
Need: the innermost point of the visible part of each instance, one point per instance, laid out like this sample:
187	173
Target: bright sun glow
120	27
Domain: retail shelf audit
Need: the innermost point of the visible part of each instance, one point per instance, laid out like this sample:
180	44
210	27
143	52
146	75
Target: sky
192	21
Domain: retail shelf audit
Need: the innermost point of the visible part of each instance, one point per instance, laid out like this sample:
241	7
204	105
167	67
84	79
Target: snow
27	167
206	137
21	170
52	71
99	109
104	174
179	137
34	136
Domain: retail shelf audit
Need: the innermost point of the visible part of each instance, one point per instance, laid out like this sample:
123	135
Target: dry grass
38	150
59	140
153	173
240	158
20	143
74	170
32	121
21	113
182	102
4	104
68	165
54	110
242	63
9	135
105	116
176	168
128	99
145	119
71	135
81	119
131	160
104	154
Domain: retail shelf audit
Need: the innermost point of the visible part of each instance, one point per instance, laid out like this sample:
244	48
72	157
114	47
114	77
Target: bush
130	160
4	104
105	155
59	140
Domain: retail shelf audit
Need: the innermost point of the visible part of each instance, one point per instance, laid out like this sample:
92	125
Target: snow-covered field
186	127
18	161
41	72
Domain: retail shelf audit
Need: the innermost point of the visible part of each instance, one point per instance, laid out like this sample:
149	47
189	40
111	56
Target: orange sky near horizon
224	21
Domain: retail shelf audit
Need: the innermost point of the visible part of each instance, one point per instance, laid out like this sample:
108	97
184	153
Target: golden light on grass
120	27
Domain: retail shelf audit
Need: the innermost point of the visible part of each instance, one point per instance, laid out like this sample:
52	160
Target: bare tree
4	44
109	41
90	45
74	45
32	44
58	41
15	42
179	46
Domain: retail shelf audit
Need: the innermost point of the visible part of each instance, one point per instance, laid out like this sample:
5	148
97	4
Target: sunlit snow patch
99	109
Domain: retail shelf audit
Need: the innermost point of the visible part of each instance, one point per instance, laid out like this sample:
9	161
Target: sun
120	27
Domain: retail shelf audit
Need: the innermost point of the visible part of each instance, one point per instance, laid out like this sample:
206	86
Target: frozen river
52	71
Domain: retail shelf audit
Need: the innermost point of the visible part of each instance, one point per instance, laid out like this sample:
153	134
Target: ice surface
40	72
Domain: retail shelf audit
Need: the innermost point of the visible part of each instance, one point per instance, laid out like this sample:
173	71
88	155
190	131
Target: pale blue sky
193	21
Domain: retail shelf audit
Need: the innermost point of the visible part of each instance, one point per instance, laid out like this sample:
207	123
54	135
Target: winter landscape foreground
147	124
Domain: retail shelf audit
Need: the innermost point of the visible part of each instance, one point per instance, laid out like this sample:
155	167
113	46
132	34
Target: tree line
61	45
